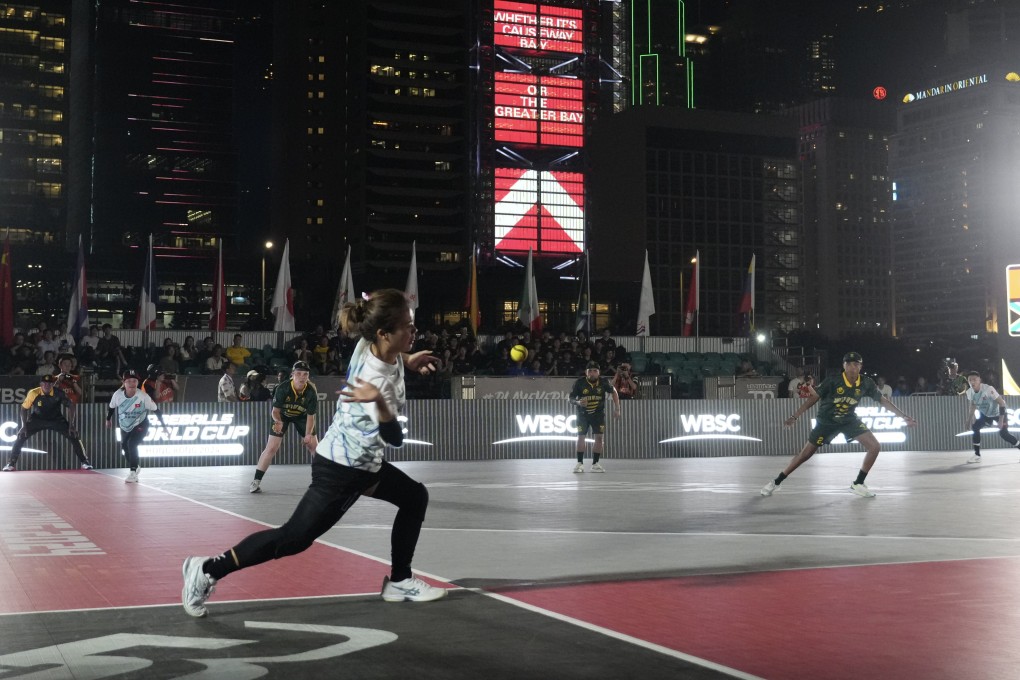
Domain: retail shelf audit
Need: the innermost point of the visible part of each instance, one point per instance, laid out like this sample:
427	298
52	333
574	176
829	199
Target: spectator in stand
47	365
624	382
334	363
507	342
168	362
237	353
901	389
883	386
320	351
461	364
534	368
188	353
68	381
16	347
807	388
303	353
609	362
607	339
795	382
46	344
87	346
549	361
746	369
253	388
501	364
64	337
225	391
922	386
109	351
478	359
216	361
951	383
205	351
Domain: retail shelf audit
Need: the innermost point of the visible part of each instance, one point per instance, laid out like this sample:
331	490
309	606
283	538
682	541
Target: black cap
48	378
131	373
152	369
301	366
850	357
591	364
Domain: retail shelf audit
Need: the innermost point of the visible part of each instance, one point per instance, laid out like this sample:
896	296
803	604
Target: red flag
218	312
692	297
474	318
6	297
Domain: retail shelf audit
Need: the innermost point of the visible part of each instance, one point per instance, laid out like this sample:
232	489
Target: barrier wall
489	429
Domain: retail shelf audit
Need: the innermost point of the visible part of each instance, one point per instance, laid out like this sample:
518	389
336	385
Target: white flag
527	308
344	290
146	316
646	307
411	290
283	296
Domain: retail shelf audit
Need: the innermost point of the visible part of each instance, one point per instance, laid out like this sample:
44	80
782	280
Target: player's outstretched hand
910	422
363	392
423	362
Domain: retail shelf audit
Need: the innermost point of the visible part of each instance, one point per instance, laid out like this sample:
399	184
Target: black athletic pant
983	420
129	442
333	491
35	425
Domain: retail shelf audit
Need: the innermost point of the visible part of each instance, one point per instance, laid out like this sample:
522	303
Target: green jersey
294	404
839	398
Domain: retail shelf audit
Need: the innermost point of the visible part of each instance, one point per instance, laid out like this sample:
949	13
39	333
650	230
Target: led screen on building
541	110
543	28
540	210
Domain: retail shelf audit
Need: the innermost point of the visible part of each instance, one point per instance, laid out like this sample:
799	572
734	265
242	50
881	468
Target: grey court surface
499	529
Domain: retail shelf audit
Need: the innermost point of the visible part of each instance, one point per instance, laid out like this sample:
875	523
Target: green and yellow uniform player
839	396
295	402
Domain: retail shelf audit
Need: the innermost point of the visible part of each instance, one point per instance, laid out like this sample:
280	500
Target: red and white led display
542	110
540	210
543	28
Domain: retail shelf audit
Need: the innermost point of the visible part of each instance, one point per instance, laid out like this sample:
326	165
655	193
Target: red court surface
882	621
144	535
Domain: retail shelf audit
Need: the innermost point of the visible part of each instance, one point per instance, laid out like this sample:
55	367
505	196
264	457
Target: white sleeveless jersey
353	437
986	400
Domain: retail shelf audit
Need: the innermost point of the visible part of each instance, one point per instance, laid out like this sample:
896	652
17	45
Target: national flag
218	311
78	309
6	296
344	290
692	296
283	296
646	306
527	309
411	289
472	297
582	322
149	296
746	309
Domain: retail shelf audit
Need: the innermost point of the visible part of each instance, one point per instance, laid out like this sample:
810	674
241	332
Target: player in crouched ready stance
839	396
349	461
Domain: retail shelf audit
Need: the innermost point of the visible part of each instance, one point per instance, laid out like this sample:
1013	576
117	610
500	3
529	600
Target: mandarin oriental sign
953	86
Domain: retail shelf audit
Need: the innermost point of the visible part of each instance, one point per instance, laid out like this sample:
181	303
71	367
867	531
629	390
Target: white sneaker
862	490
86	466
768	488
597	467
410	590
132	477
974	459
256	486
9	468
577	468
198	586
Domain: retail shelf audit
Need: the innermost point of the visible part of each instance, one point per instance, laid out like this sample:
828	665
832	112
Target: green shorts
299	427
825	431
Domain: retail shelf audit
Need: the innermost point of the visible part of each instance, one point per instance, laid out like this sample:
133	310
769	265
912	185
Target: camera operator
67	380
951	383
253	388
624	382
159	385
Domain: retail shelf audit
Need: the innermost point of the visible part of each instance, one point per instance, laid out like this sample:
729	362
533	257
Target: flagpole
587	278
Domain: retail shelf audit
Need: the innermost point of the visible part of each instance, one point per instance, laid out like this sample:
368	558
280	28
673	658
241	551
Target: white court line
680	534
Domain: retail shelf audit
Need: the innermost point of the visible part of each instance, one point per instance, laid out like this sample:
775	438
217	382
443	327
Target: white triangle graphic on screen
522	197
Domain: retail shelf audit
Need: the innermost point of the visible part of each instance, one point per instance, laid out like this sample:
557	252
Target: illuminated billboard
540	110
543	28
540	210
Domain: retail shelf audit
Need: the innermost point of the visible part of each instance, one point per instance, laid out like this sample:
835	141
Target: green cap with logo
851	357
